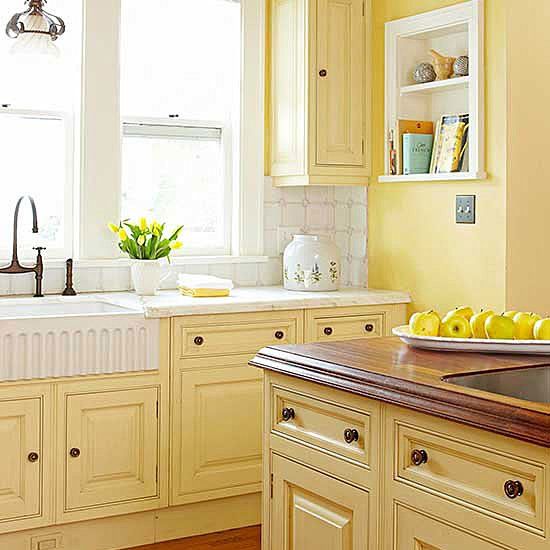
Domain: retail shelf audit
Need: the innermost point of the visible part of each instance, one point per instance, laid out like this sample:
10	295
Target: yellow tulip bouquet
145	241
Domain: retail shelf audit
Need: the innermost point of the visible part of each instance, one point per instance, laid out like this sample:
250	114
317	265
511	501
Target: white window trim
102	133
69	189
227	150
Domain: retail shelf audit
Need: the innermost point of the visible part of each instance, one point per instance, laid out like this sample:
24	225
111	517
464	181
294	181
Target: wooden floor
238	539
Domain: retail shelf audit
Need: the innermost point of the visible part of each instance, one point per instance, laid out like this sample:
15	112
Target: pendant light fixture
35	30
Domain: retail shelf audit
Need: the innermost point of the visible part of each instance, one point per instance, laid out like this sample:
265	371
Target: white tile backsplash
339	212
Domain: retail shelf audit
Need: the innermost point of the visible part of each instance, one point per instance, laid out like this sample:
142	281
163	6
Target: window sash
68	191
176	128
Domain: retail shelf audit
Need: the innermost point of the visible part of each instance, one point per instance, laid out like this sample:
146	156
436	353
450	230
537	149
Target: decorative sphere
461	66
424	72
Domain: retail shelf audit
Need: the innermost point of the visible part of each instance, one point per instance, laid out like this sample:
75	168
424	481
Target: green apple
499	327
525	324
425	323
462	311
541	330
455	326
511	314
477	323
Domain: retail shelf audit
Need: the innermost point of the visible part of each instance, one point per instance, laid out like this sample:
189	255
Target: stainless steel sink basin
529	384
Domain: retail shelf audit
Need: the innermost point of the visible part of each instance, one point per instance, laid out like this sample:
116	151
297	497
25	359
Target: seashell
461	66
424	72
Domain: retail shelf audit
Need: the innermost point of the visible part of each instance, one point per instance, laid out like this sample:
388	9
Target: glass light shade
29	43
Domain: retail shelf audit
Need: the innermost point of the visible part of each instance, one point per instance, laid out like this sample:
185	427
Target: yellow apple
463	311
499	327
541	330
477	323
525	324
425	323
511	314
455	326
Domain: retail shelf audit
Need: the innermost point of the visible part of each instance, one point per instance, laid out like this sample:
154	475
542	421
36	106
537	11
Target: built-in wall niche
453	32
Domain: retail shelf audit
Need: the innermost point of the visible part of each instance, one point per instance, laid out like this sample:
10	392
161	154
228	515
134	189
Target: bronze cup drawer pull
288	414
419	457
74	452
33	457
328	331
369	327
279	335
513	489
198	341
351	435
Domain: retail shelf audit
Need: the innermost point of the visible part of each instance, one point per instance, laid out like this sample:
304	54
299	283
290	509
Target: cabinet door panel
416	531
312	511
20	479
115	438
340	112
217	433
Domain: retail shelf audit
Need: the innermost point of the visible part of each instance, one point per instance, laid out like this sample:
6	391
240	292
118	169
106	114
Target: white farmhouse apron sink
58	337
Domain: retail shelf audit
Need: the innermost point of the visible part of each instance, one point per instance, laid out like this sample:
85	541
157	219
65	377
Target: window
39	98
177	165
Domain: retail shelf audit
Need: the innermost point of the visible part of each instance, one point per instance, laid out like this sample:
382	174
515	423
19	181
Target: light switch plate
465	209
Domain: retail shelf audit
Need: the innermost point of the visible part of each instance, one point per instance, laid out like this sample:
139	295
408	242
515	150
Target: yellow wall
414	243
528	249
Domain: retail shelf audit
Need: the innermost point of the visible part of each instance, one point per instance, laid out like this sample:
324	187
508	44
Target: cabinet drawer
488	480
339	430
242	337
326	329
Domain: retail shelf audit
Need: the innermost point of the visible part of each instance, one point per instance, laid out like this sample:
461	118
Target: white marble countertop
172	304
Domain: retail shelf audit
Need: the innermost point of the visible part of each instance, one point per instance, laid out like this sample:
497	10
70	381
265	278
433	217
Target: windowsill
125	262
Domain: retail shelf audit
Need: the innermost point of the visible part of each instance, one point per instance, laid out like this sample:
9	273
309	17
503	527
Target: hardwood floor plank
247	538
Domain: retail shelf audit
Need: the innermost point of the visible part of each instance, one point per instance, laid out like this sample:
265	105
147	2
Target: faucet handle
39	248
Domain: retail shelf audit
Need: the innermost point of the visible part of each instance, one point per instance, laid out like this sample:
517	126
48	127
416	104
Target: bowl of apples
462	329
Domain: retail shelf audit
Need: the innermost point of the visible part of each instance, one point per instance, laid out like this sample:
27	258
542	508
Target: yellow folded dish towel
204	286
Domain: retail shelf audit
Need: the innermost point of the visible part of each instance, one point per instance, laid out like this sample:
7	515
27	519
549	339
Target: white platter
473	345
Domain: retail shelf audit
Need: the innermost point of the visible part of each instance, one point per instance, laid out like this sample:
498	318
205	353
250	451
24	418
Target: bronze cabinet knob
369	327
323	73
288	414
351	435
279	335
33	457
199	340
328	331
513	489
74	452
419	457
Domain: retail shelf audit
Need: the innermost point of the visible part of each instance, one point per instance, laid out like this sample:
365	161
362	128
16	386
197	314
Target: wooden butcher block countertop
390	371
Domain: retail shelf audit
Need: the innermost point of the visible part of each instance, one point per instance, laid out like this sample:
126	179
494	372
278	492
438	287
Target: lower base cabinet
416	531
217	432
312	511
112	448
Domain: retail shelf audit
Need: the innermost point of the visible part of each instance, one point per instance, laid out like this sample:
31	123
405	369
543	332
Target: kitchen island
370	444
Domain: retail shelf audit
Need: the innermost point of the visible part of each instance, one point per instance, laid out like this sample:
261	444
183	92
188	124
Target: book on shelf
404	126
417	153
450	149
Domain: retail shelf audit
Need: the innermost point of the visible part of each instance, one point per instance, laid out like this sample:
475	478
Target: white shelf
436	86
451	176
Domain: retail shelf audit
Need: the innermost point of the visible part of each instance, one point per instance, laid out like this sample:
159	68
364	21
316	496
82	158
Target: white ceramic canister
311	263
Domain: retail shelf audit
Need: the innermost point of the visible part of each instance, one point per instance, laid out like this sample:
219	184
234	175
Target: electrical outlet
53	541
465	209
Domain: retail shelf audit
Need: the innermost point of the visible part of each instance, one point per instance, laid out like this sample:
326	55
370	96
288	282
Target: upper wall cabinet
319	92
450	95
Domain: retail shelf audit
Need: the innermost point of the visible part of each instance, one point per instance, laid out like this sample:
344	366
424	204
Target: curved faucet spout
15	259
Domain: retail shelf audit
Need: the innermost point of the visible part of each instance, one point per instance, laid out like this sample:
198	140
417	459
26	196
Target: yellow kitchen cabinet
25	460
109	447
217	432
312	511
319	92
418	531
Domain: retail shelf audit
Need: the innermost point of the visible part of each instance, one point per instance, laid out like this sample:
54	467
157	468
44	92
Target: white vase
147	276
311	263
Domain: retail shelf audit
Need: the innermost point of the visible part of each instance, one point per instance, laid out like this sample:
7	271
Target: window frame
69	189
101	136
227	152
